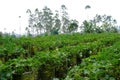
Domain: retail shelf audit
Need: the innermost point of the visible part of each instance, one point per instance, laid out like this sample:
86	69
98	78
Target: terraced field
61	57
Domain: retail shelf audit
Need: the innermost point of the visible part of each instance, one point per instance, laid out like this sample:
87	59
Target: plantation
61	57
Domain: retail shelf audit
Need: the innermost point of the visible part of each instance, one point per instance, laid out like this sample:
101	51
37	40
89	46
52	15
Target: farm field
61	57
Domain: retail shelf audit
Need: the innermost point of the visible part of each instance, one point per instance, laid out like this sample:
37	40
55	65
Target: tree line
46	22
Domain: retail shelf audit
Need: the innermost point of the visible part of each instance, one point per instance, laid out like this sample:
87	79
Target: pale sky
10	10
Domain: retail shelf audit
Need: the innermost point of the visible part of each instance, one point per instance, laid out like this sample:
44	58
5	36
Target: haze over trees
46	22
99	24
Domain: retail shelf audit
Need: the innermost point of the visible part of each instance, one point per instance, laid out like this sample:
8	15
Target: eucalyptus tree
19	25
99	24
47	19
73	27
57	23
31	27
65	19
105	23
87	7
38	21
87	27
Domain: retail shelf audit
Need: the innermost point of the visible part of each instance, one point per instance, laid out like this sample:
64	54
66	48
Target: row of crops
103	66
62	57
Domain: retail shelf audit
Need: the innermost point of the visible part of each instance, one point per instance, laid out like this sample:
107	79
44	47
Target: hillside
61	57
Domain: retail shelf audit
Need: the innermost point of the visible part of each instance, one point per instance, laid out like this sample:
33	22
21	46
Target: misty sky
10	10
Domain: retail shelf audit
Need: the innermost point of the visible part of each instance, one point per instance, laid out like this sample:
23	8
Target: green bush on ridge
95	56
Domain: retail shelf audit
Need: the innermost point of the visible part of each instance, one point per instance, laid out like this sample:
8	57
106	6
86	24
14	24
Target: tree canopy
99	24
46	22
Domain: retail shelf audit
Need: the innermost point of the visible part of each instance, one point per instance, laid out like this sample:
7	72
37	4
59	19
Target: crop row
56	63
104	66
11	48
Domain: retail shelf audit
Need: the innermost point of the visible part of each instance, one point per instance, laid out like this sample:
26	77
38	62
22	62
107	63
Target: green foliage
87	27
101	66
100	24
73	26
45	22
64	56
1	34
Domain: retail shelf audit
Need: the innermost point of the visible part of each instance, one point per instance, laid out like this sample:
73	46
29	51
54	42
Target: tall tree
30	27
38	21
87	27
57	23
47	19
104	22
73	27
87	7
99	24
65	19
